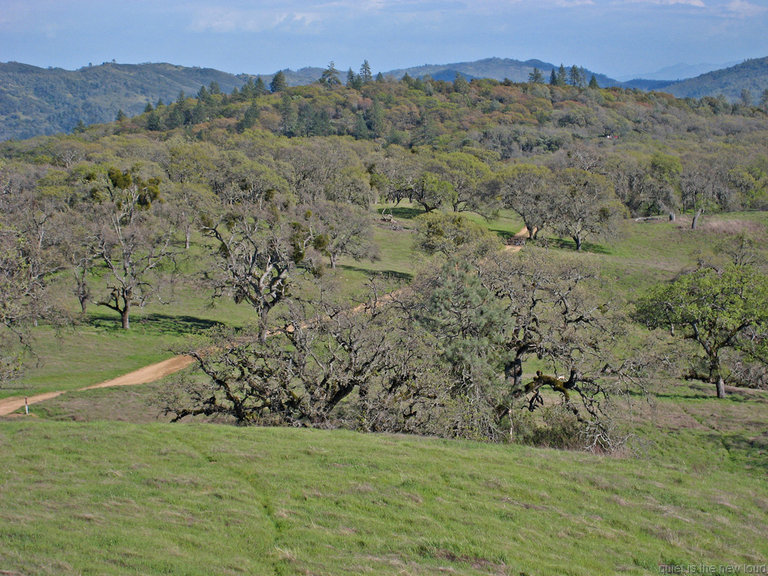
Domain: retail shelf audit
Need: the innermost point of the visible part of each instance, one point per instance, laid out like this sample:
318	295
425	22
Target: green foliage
447	233
720	310
278	83
57	100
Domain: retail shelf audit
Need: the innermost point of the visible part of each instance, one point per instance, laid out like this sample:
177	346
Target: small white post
26	406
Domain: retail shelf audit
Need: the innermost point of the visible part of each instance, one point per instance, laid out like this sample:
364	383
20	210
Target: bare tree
342	229
586	205
299	375
529	190
256	254
131	241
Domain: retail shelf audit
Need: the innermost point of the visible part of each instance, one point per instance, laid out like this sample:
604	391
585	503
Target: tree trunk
671	216
263	316
695	221
187	235
513	372
577	239
720	387
125	316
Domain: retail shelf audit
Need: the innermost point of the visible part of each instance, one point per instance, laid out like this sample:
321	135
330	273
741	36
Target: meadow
99	482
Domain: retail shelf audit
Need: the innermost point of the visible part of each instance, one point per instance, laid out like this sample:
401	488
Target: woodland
269	197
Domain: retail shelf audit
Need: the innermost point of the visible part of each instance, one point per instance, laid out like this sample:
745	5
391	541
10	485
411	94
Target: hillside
35	101
493	68
116	498
751	75
395	436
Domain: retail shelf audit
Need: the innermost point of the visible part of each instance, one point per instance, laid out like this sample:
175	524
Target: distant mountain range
35	101
678	72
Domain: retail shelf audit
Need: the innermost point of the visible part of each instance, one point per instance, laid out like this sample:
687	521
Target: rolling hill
36	101
751	75
495	68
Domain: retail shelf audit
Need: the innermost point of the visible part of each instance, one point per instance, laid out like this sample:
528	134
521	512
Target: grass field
117	498
97	483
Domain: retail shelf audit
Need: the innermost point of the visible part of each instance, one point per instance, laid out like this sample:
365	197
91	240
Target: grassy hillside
98	482
84	493
109	498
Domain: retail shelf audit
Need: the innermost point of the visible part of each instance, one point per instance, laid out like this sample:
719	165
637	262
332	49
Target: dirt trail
523	233
144	375
162	369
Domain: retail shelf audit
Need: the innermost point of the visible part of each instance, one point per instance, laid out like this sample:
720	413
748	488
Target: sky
619	38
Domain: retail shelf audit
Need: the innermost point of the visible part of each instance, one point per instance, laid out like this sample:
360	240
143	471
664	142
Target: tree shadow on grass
506	236
686	395
387	274
567	244
745	451
404	212
161	323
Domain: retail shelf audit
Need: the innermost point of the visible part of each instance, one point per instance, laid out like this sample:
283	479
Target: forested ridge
35	101
270	186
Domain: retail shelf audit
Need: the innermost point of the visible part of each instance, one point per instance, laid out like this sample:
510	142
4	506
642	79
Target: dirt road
144	375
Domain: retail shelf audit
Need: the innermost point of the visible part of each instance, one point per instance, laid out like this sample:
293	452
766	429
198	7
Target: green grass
97	483
114	498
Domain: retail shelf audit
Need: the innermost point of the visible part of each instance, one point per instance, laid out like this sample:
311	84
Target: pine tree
536	77
261	89
278	83
365	73
353	80
575	76
561	76
330	76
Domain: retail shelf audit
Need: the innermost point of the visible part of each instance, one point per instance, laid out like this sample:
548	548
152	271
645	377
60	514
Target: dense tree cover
49	100
446	356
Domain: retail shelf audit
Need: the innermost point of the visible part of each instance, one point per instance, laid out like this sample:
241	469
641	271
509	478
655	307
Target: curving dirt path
144	375
523	233
159	370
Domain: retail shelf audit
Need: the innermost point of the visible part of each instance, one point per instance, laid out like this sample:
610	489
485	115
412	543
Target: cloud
743	9
224	20
694	3
574	3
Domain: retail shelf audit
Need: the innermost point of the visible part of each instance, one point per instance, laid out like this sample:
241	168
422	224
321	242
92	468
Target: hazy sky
615	37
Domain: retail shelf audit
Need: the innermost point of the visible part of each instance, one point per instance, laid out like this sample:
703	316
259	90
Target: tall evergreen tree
330	76
353	80
576	76
561	78
261	89
365	72
535	77
278	83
